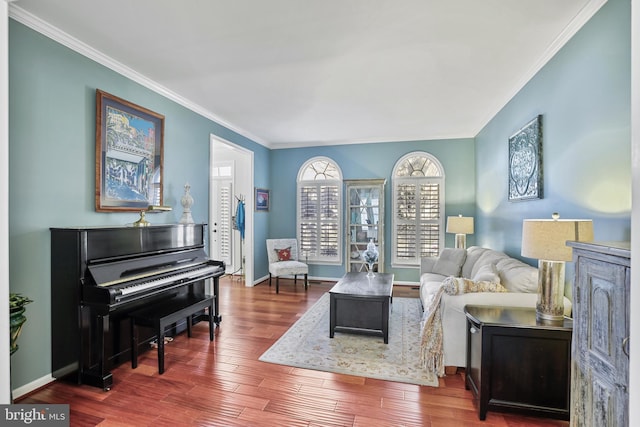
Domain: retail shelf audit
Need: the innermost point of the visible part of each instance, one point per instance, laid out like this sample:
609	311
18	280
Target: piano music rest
166	313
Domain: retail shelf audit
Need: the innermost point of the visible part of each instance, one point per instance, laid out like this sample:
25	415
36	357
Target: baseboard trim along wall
32	386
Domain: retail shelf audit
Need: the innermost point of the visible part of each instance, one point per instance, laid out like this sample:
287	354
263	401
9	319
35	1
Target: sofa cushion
427	263
517	276
431	277
473	253
450	262
488	257
487	273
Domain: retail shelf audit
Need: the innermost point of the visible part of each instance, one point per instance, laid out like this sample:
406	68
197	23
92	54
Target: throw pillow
450	262
459	286
284	254
487	273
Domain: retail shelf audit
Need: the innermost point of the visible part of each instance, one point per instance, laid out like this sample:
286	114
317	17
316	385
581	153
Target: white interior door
231	178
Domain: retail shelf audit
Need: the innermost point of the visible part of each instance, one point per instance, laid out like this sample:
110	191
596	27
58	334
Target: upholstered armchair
283	261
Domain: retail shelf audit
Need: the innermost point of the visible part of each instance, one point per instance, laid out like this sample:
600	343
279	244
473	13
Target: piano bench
165	313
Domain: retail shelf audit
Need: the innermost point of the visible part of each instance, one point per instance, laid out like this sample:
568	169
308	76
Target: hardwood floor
222	383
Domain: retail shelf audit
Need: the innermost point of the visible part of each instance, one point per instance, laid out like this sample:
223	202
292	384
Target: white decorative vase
187	202
370	256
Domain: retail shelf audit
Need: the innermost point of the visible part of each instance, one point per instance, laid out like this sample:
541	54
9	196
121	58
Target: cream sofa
477	264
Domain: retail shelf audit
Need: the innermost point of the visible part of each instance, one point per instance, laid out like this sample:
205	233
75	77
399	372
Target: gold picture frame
129	155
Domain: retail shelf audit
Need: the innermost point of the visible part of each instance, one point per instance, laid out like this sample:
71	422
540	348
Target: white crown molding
307	144
585	14
84	49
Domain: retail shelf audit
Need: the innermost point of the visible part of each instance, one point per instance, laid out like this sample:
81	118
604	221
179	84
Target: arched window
418	209
319	207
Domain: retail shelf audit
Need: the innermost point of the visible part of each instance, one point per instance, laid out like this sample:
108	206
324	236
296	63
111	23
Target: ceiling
292	73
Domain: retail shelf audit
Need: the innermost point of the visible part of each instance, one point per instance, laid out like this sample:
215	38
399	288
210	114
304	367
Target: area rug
307	345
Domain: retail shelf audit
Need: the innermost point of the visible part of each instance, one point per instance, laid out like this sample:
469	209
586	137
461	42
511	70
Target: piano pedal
154	343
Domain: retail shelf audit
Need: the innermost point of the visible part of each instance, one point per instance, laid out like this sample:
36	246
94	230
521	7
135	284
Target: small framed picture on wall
262	200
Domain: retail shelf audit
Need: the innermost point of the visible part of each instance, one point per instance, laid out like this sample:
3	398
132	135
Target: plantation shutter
406	227
225	226
309	218
430	219
320	211
418	209
319	221
329	222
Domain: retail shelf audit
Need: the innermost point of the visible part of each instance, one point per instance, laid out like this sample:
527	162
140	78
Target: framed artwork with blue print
129	155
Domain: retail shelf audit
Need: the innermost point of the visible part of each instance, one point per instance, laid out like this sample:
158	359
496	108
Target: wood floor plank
262	418
291	382
437	401
344	396
214	407
385	415
312	410
361	421
222	383
380	391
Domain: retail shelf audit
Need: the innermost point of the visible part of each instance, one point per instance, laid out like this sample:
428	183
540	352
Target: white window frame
418	180
318	182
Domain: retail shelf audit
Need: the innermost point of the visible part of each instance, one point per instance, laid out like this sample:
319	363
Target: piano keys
100	275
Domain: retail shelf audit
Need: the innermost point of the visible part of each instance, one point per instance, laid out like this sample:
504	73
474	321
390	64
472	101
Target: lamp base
550	304
142	222
461	241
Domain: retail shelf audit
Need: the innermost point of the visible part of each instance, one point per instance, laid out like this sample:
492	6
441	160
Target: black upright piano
101	274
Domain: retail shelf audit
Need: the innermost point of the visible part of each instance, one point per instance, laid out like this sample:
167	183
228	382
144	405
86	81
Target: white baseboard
33	385
261	279
405	283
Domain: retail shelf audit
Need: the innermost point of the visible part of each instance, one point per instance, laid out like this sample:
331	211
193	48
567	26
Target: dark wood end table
361	304
515	363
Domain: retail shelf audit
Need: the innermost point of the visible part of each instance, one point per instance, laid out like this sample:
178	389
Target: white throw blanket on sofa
431	353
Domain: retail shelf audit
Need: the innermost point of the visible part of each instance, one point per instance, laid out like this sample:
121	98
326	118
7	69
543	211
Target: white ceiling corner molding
396	139
84	49
585	14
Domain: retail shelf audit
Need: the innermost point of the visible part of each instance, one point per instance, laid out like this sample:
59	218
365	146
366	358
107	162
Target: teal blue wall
583	94
52	168
372	161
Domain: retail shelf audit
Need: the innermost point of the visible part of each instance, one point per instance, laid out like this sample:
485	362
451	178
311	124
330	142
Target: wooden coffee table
361	304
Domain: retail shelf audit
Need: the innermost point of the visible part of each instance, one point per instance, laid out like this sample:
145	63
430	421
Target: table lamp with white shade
461	226
545	240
